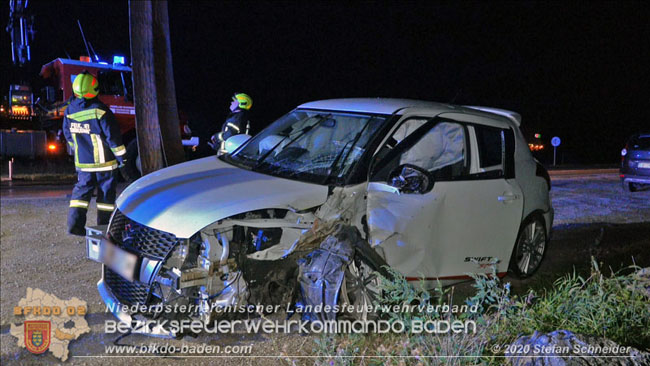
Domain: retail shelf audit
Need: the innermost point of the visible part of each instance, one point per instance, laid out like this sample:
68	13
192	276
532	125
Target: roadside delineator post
11	169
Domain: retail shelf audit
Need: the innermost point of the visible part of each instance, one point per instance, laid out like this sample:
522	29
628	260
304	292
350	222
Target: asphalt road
581	172
21	190
8	192
594	218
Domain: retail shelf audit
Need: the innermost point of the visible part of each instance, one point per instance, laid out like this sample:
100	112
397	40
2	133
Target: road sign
555	141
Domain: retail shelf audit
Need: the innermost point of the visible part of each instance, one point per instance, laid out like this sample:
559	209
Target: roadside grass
612	306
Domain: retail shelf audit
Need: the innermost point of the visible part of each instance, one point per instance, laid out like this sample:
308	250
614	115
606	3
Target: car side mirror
409	178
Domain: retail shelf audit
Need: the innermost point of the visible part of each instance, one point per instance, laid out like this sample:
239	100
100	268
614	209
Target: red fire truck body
45	138
115	89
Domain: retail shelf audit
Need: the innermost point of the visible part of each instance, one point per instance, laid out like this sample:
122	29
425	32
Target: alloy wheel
530	248
360	289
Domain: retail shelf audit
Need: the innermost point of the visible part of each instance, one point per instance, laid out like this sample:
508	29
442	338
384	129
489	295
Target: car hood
185	198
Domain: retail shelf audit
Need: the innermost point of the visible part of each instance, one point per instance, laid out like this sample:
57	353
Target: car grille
142	240
128	293
138	238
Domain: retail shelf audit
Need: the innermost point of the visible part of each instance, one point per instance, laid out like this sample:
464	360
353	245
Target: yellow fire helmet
245	102
85	85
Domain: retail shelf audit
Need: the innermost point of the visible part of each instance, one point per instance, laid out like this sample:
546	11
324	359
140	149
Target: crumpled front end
246	259
135	269
250	258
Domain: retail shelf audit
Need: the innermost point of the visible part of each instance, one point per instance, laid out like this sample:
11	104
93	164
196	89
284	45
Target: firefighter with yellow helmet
237	122
90	128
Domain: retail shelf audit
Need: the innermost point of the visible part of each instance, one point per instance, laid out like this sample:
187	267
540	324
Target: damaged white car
311	207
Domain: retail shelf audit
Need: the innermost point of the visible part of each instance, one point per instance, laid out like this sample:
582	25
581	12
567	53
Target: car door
442	200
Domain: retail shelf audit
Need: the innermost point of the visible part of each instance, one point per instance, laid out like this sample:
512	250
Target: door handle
507	198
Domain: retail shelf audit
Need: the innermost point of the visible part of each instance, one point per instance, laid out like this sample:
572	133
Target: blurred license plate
120	261
644	165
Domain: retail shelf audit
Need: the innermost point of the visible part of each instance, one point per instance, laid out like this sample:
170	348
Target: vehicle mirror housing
410	179
234	142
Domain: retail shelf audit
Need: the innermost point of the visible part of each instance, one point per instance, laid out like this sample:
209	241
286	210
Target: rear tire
530	247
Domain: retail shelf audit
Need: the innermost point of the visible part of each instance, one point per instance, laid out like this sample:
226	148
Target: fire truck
33	128
47	111
115	90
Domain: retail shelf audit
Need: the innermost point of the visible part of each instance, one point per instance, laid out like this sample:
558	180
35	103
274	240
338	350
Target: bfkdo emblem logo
37	335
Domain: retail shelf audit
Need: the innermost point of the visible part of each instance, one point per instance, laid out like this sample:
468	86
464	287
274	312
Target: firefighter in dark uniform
237	121
90	128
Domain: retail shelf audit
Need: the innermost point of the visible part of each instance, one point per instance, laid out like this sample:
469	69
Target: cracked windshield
308	145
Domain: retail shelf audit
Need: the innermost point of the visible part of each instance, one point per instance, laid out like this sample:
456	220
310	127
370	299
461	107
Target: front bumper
96	249
627	178
118	310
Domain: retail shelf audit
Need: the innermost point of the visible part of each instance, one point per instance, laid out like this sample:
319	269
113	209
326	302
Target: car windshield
641	143
314	146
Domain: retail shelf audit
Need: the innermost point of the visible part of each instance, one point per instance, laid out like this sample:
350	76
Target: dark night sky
578	70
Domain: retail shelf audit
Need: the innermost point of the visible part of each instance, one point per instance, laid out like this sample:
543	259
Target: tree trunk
157	125
144	86
166	91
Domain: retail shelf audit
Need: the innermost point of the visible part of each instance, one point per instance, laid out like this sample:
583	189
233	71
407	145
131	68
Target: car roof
394	106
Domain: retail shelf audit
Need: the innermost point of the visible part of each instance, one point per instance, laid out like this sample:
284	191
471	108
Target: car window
491	147
407	128
439	150
111	83
443	146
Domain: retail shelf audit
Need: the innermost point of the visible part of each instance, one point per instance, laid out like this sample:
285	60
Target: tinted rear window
490	145
640	143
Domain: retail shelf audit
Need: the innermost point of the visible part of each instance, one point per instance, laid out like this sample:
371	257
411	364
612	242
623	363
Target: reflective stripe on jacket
91	129
235	124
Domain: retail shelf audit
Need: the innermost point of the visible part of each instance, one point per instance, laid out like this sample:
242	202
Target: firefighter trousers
106	183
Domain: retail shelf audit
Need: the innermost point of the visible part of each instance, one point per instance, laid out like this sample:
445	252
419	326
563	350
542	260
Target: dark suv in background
635	162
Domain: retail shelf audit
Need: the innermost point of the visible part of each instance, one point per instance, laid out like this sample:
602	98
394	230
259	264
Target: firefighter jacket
91	130
235	124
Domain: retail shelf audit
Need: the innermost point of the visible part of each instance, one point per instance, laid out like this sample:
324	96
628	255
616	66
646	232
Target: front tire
530	247
631	187
359	289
